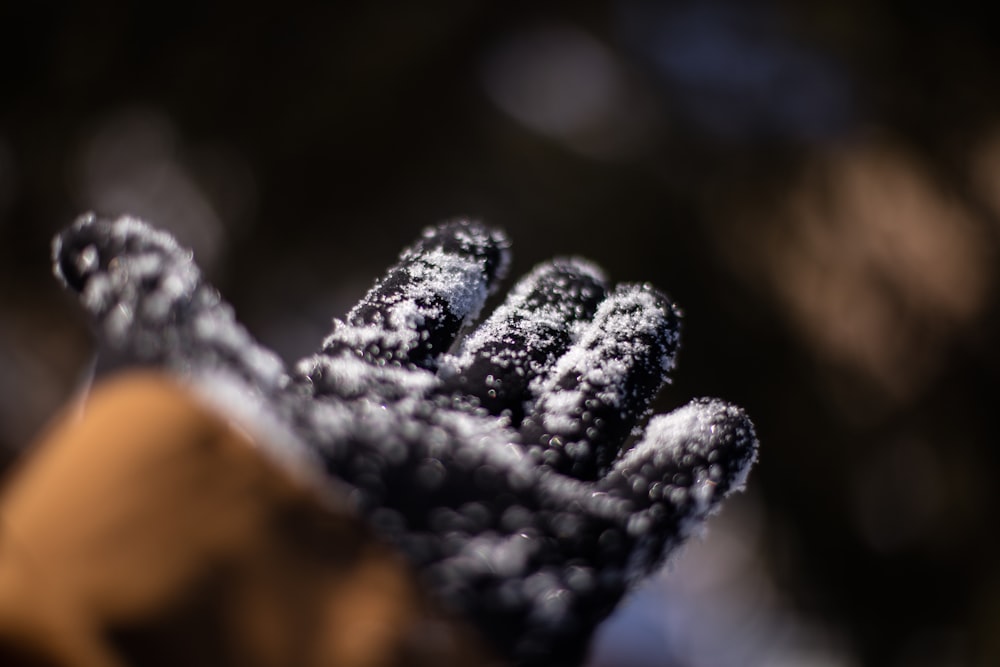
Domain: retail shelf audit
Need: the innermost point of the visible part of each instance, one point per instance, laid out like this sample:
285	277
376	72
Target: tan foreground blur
143	530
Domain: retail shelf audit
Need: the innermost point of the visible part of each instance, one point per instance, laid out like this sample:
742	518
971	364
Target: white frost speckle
608	377
458	280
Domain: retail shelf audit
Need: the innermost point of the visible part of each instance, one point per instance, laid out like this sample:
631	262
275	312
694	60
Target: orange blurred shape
146	530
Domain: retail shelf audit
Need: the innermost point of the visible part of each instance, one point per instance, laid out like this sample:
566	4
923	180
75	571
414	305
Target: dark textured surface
532	550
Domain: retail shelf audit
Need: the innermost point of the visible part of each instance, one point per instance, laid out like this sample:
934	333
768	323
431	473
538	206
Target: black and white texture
494	463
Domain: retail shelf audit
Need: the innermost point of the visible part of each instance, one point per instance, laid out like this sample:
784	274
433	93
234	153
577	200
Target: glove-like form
494	462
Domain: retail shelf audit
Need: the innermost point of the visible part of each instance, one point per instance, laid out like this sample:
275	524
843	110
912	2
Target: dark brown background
818	187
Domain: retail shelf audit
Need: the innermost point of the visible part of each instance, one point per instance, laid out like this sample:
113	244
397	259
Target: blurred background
817	184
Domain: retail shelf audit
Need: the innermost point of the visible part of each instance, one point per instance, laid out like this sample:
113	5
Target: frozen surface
497	468
542	316
439	285
150	304
594	394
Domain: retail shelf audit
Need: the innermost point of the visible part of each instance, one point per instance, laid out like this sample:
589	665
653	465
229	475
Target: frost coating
543	305
525	336
149	302
597	390
533	528
688	461
440	284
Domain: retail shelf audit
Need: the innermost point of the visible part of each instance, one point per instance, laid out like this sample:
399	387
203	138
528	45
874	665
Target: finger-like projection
494	463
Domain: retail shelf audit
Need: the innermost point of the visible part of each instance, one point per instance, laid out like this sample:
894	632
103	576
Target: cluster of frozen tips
492	457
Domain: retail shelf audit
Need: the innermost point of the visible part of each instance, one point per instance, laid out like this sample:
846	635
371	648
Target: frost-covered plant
495	464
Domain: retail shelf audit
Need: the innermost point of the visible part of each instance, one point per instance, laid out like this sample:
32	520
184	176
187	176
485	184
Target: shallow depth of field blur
817	184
